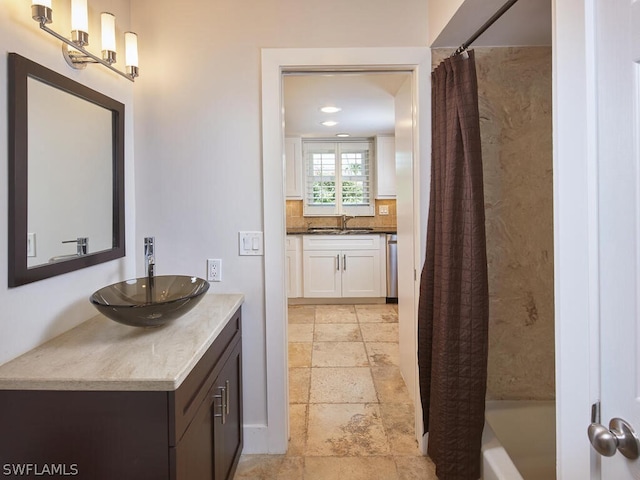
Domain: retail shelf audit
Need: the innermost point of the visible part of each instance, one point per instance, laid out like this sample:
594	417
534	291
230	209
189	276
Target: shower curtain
453	305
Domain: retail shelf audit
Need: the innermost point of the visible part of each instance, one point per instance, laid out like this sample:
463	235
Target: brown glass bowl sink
144	302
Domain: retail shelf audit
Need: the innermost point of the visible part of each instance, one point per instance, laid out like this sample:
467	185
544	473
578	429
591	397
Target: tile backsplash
295	218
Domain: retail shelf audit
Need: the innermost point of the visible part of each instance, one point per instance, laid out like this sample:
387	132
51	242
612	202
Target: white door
618	121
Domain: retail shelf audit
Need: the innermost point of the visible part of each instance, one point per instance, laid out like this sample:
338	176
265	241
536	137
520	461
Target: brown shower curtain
453	308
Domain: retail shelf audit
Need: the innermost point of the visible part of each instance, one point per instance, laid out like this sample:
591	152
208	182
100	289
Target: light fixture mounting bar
94	58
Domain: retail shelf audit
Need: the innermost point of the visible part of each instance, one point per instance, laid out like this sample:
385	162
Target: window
338	178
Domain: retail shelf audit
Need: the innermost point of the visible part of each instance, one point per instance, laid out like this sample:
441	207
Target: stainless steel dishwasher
392	268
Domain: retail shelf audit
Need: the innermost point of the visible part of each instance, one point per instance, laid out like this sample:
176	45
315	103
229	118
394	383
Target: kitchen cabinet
293	265
344	266
386	167
294	168
193	432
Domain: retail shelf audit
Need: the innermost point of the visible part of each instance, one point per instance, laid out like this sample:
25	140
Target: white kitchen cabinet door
386	167
294	174
361	273
322	274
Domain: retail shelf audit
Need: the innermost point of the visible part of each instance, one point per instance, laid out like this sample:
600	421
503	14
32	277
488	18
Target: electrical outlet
214	270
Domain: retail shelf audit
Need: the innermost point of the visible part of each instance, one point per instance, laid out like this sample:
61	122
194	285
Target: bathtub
518	441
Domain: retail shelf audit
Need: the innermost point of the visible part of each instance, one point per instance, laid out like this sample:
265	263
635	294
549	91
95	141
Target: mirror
66	174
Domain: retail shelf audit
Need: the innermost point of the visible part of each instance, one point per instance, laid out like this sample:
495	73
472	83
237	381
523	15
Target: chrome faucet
82	245
149	256
345	219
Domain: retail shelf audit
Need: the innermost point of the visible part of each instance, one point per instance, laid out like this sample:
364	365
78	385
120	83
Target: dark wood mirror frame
20	69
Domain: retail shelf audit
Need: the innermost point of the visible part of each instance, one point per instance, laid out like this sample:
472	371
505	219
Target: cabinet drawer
184	402
341	242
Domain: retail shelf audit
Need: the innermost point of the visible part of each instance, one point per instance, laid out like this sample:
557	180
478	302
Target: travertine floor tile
258	467
299	381
381	354
336	314
345	430
300	332
339	354
297	429
377	313
342	385
337	332
415	468
350	468
300	354
398	420
379	332
301	314
390	385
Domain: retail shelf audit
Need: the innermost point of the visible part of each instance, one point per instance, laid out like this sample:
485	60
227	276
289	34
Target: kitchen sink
149	301
338	231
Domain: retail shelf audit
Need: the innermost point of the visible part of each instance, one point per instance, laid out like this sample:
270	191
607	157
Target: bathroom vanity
106	401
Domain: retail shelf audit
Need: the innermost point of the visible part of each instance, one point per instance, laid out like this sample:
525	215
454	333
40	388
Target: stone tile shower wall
514	86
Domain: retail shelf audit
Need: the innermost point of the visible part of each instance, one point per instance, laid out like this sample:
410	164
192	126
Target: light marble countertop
101	354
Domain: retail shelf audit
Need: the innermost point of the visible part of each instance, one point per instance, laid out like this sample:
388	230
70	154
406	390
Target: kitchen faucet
345	219
149	256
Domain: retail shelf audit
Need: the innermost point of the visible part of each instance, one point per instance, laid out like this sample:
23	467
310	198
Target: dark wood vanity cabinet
192	433
211	445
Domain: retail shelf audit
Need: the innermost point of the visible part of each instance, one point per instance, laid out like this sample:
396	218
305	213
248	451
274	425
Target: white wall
33	313
198	132
440	13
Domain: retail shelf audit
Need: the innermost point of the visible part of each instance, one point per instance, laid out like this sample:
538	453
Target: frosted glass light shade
44	3
79	16
108	22
131	49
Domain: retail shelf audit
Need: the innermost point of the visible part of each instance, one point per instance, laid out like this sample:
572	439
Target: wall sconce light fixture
73	50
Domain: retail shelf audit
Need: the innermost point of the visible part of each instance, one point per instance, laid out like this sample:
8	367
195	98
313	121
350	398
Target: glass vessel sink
149	302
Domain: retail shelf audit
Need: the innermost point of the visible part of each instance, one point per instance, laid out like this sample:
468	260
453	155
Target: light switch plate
251	243
383	209
31	244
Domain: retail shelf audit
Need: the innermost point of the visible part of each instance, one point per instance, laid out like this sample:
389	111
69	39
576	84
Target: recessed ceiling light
329	109
342	135
330	123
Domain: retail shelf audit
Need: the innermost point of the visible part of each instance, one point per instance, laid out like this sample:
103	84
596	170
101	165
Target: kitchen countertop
305	231
101	354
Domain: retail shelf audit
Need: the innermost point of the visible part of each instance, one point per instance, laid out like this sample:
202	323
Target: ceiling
367	99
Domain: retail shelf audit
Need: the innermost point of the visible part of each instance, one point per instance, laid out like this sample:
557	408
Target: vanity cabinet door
194	453
361	273
322	274
227	425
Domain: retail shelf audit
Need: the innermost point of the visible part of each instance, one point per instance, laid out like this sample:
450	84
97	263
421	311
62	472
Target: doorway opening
275	63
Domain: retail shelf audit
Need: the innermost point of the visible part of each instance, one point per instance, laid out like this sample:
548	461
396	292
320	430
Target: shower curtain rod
484	27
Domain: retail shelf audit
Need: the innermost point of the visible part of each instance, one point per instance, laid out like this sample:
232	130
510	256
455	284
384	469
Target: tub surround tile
101	354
